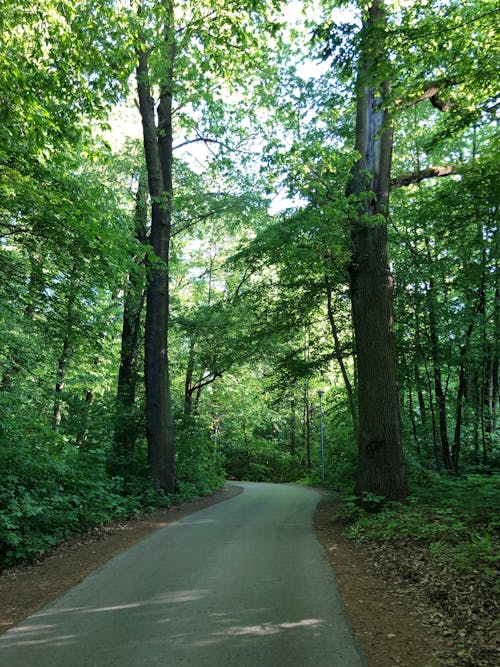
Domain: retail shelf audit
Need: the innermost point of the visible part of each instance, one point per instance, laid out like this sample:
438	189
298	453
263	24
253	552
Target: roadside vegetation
440	549
251	271
456	520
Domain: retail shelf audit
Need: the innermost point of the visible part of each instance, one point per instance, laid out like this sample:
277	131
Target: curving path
240	584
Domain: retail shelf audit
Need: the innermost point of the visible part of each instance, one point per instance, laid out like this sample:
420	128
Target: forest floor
408	609
395	621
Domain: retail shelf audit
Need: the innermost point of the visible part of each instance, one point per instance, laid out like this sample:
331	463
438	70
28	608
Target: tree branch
431	92
204	382
194	141
404	180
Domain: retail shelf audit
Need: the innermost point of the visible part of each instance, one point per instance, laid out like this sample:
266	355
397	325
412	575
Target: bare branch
431	92
404	180
194	141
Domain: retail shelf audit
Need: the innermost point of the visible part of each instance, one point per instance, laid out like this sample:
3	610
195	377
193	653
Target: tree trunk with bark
159	162
380	460
351	398
126	430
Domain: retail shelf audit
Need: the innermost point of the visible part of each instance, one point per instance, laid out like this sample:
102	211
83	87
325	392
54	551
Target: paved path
240	584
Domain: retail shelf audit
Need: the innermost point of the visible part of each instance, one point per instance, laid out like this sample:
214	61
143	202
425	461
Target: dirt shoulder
383	619
407	608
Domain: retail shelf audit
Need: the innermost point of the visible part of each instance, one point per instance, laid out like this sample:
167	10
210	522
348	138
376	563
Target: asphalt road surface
243	583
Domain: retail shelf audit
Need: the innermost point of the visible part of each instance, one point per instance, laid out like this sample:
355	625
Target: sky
125	120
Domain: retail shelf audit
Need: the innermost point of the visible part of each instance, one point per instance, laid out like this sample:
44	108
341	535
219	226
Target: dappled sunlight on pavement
242	584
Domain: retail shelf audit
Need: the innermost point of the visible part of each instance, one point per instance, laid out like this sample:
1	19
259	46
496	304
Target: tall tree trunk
462	380
380	458
340	360
125	433
159	161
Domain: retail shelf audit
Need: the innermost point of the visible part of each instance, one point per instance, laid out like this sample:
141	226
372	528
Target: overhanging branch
404	180
431	92
194	141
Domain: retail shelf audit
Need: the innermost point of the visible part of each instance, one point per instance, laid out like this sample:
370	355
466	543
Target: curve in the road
240	584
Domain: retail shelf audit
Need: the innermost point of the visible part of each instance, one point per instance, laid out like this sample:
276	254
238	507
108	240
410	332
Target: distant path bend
240	584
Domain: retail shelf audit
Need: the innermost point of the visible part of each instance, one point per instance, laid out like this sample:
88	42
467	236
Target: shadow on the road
160	623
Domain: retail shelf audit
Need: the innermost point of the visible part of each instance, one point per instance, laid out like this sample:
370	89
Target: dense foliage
264	102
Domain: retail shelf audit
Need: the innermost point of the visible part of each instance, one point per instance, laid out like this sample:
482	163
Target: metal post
322	436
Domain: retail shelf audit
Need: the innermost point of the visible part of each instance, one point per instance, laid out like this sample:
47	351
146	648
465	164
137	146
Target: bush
51	490
198	467
261	461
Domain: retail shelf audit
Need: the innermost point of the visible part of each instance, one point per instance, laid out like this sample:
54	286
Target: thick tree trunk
159	161
380	459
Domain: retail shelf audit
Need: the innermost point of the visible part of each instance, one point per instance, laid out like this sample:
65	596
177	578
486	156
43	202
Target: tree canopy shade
162	327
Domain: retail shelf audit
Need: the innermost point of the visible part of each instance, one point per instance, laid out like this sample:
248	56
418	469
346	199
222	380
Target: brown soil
407	608
392	622
383	619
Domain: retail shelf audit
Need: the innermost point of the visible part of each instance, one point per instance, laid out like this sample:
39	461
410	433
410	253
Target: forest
252	240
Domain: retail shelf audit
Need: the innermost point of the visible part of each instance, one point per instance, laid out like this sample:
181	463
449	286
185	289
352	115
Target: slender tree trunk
435	447
412	419
462	380
420	396
247	449
495	375
188	384
307	425
293	427
159	161
439	391
125	434
340	360
60	382
478	412
380	459
83	435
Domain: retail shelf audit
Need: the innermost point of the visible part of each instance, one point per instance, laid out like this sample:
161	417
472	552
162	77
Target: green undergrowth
51	491
456	518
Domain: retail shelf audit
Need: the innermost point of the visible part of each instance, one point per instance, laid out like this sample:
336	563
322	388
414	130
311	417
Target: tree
126	427
380	467
176	68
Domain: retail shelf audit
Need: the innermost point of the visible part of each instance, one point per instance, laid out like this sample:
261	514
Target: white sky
125	119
